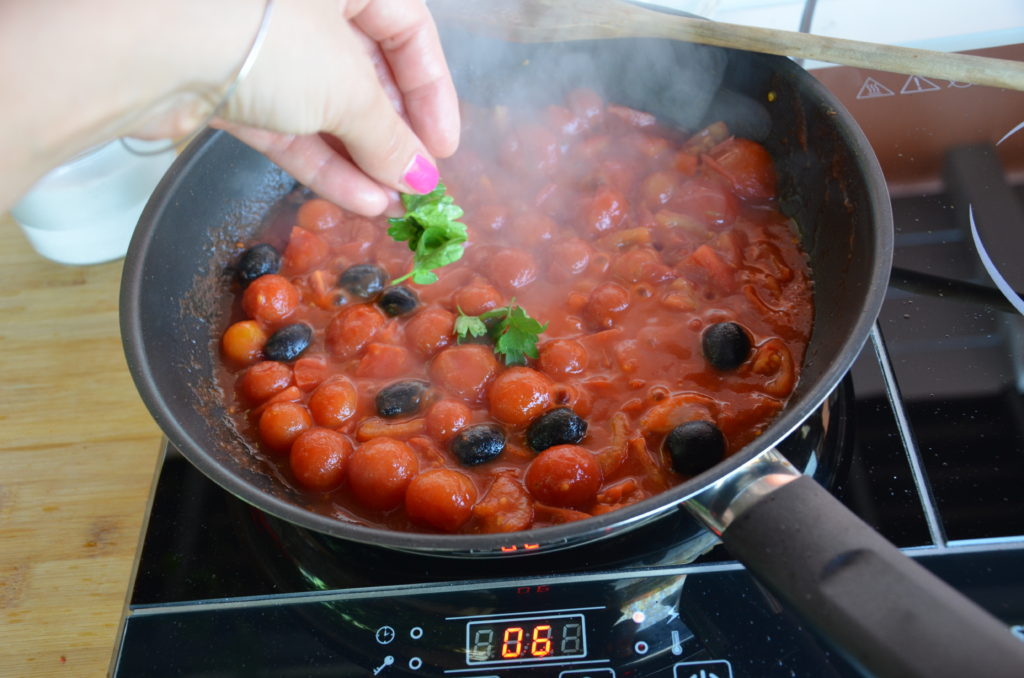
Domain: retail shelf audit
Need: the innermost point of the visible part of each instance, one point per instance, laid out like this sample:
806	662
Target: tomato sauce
630	240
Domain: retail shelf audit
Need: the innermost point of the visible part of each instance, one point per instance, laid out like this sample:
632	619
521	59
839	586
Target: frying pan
887	613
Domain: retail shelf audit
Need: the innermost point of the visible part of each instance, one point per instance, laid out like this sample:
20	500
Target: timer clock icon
385	635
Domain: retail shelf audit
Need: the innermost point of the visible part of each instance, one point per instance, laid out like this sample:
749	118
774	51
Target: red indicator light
509	549
530	547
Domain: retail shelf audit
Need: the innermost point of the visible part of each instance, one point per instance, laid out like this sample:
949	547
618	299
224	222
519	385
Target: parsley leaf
515	334
471	325
433	234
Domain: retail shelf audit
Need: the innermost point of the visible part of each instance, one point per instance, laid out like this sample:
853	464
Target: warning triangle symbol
916	83
872	89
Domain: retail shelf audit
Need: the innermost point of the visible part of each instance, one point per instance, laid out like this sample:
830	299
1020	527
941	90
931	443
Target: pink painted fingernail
421	176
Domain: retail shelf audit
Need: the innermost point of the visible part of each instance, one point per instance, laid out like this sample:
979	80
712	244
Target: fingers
312	161
331	84
408	39
377	138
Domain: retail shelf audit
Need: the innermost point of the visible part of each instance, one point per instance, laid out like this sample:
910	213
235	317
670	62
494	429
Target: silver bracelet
243	70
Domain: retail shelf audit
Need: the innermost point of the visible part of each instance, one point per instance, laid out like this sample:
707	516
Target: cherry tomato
319	215
263	380
383	361
749	166
464	371
430	330
530	148
658	188
650	145
564	475
569	258
333	402
304	252
318	458
532	228
242	343
477	297
490	216
606	211
512	269
281	423
636	264
507	507
519	395
616	173
354	237
379	472
309	372
446	418
352	329
607	304
562	357
707	201
270	298
441	498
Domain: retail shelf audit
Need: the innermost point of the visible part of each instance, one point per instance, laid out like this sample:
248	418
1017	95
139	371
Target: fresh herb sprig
434	235
515	333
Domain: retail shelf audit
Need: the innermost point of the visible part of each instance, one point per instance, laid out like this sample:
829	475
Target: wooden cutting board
78	453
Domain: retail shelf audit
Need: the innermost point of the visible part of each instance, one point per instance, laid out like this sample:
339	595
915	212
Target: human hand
327	94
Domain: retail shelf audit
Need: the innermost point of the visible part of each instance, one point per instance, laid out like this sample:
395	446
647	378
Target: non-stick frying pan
886	612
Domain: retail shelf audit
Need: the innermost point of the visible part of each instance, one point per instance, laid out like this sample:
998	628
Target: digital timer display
522	639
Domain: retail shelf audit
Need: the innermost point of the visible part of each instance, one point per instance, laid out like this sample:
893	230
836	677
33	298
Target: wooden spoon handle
563	20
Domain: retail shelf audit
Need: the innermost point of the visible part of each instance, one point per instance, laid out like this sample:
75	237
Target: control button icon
718	668
385	635
677	643
388	661
602	672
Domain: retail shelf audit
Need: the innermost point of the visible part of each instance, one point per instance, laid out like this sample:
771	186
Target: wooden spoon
562	20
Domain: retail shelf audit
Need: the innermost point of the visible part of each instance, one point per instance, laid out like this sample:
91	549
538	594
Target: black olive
363	280
289	342
258	260
397	301
560	426
695	447
476	444
403	397
726	345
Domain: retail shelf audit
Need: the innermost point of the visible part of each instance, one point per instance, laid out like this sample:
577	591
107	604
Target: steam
679	82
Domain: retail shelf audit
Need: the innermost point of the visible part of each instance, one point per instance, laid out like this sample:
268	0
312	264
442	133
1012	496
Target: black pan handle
883	611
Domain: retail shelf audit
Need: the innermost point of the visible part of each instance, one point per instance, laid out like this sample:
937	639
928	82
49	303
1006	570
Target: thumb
378	139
